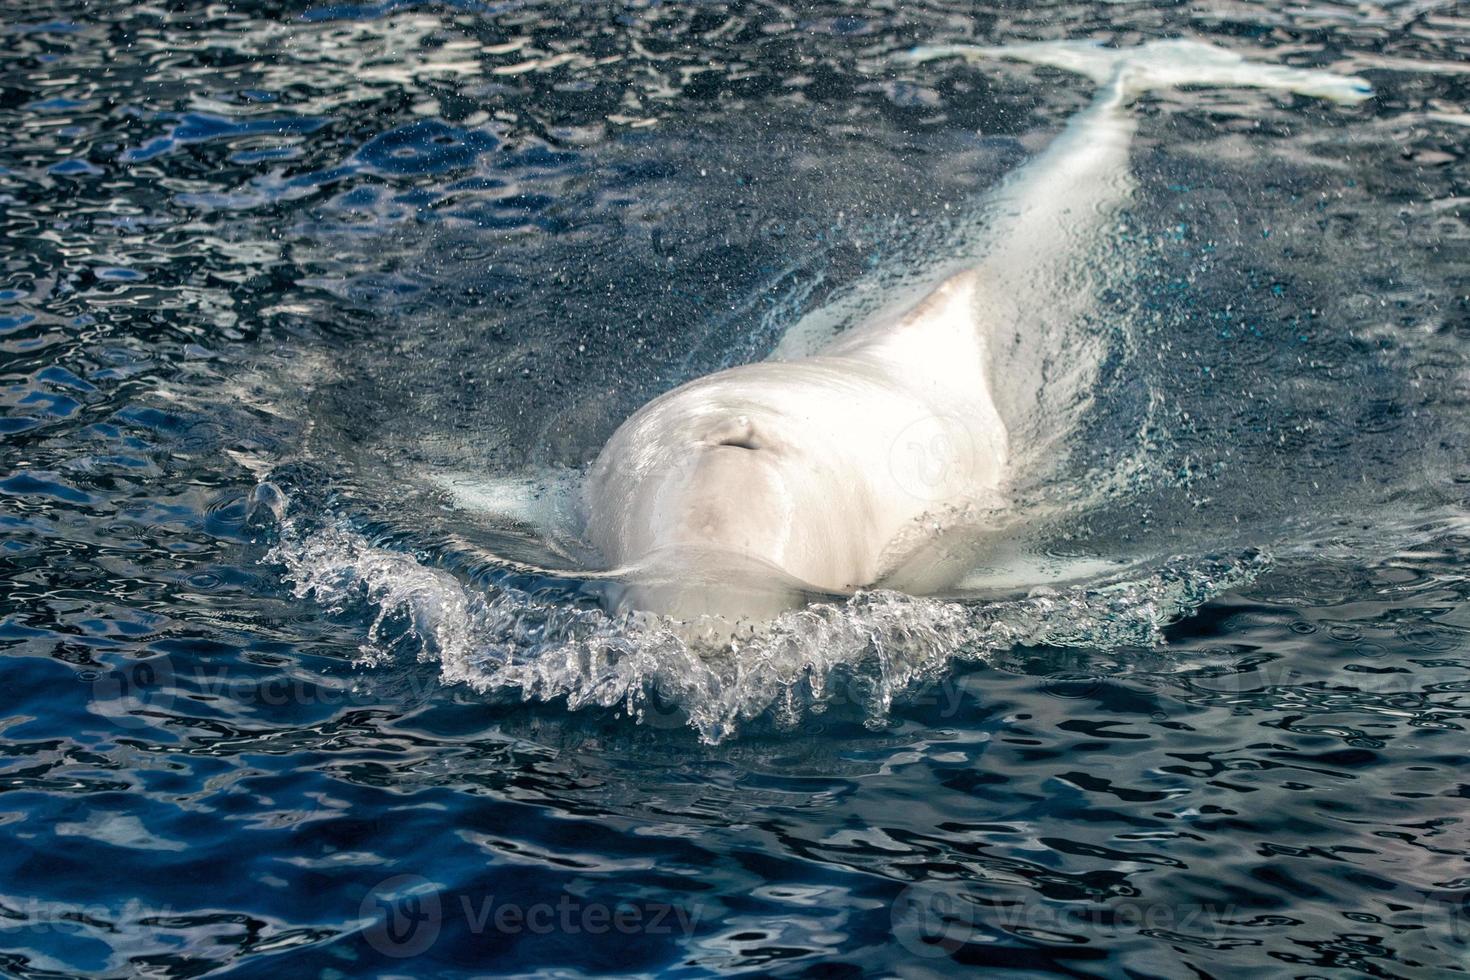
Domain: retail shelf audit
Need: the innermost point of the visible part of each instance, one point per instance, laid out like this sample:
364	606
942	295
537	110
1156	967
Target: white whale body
821	467
846	460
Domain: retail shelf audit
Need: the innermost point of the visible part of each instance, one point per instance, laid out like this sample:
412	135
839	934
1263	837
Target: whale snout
719	518
695	584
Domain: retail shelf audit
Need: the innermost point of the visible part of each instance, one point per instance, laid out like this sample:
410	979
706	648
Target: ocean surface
279	701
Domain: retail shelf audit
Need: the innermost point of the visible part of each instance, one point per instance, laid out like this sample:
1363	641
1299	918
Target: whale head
717	505
751	490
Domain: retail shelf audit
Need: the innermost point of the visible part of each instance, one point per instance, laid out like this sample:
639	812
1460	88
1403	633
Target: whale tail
1043	223
1160	64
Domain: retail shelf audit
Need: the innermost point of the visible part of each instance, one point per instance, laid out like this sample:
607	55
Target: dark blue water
275	705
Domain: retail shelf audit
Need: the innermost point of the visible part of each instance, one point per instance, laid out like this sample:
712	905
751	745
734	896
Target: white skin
739	493
817	469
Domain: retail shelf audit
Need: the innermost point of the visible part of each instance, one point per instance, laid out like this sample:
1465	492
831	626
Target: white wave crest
503	638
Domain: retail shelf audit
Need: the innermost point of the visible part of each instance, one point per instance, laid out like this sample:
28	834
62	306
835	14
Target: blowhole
737	433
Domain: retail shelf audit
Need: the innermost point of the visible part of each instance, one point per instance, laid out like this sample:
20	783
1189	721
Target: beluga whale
848	458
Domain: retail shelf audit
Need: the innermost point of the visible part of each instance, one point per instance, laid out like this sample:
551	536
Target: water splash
882	644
